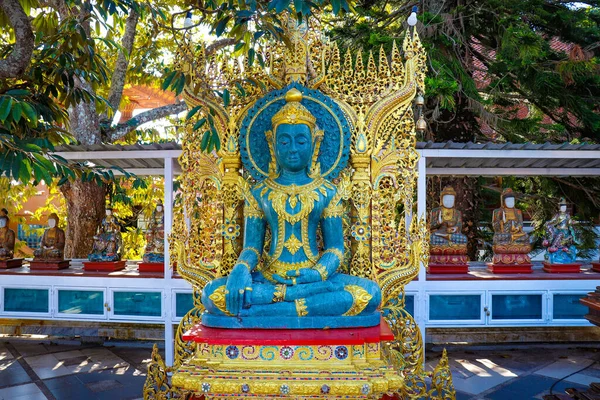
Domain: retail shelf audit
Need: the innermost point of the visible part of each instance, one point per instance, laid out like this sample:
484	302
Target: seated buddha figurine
52	245
295	280
510	244
107	241
448	243
7	237
561	237
155	237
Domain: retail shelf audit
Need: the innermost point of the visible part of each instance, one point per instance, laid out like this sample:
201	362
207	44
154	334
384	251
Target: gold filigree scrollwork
184	349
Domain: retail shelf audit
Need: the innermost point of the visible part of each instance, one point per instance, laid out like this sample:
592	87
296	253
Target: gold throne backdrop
376	96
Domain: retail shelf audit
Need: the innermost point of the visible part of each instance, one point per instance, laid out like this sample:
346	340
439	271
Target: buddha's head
52	220
108	211
508	198
3	218
159	207
562	205
447	197
294	141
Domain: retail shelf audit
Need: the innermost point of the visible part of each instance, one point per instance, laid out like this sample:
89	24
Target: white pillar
168	225
421	304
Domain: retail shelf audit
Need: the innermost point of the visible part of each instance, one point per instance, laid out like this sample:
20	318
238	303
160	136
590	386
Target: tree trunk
85	210
18	60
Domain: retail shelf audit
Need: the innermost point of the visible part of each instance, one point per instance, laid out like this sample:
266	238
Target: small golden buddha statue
52	246
446	221
7	237
511	244
448	251
508	222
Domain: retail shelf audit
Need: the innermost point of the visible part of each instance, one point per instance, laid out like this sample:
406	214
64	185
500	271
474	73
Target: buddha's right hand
237	282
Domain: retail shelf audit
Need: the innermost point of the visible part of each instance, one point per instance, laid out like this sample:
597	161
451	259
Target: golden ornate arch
378	185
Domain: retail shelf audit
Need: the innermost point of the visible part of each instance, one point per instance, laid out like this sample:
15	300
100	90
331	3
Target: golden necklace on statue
510	214
306	195
447	214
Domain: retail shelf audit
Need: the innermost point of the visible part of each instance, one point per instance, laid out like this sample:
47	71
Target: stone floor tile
11	373
529	387
4	353
29	391
67	354
70	388
27	349
104	385
47	366
486	375
564	367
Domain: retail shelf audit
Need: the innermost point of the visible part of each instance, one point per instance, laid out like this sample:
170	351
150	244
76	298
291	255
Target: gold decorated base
315	364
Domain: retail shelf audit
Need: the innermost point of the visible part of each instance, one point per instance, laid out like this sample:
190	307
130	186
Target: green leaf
30	113
221	26
226	97
216	140
16	165
192	112
199	124
25	172
17	112
336	4
168	79
5	108
18	92
251	54
204	142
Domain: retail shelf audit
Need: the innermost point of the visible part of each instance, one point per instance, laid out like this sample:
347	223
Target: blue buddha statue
295	284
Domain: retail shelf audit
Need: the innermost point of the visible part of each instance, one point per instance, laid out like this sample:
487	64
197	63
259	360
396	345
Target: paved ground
41	369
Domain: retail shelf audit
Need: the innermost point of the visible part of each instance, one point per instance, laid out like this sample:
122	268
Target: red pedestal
104	265
448	268
151	267
596	266
12	263
282	337
510	268
49	265
562	268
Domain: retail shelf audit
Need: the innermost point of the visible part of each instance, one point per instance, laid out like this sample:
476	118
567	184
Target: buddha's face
51	222
2	222
448	201
509	202
563	208
293	147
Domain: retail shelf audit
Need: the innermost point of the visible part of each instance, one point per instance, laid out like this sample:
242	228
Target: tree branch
17	62
219	44
156	113
120	71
